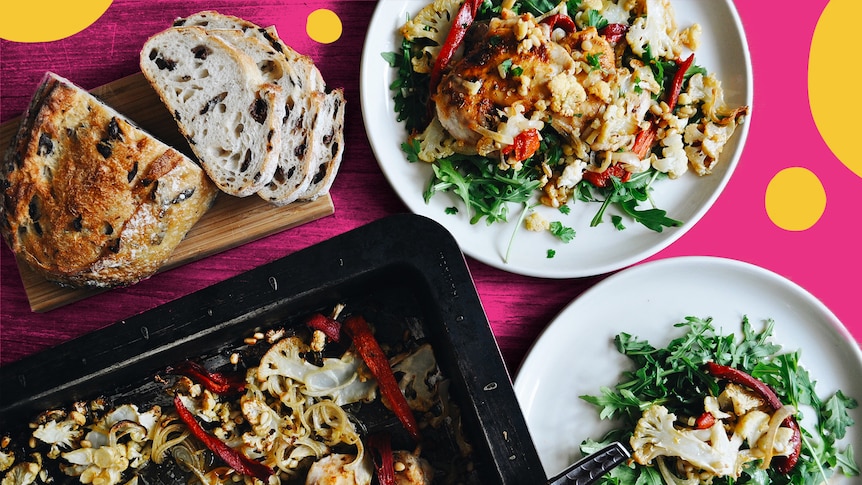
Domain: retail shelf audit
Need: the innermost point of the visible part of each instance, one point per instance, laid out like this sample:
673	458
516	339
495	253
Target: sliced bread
310	77
294	172
328	144
324	111
88	198
232	119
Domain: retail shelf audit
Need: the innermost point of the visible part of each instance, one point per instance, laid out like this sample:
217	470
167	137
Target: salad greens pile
484	188
674	377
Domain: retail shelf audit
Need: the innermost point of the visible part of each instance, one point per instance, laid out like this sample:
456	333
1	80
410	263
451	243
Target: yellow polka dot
831	86
795	199
324	26
48	20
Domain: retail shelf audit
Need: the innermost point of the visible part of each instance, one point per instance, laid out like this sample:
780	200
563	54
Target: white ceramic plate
595	250
575	355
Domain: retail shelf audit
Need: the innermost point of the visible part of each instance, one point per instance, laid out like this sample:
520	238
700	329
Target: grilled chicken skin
513	76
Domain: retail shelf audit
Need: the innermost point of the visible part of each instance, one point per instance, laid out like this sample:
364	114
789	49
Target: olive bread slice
232	119
294	172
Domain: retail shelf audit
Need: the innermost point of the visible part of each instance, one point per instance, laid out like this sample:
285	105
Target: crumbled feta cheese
572	174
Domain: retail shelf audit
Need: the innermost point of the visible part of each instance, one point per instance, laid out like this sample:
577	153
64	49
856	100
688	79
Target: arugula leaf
627	195
485	189
837	419
672	376
409	88
655	219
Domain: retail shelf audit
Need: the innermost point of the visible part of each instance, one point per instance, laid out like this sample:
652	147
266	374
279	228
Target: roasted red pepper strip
560	21
462	21
329	326
233	458
358	330
525	145
216	382
613	33
782	464
704	421
644	140
676	84
381	453
601	179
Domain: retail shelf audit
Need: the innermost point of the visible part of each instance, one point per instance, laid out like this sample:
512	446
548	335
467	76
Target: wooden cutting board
231	222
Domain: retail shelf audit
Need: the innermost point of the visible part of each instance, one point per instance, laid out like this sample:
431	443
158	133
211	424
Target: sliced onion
769	440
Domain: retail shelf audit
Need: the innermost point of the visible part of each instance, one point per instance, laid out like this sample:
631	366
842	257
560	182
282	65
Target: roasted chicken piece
517	74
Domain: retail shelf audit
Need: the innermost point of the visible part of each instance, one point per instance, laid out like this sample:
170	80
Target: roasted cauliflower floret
657	29
22	474
656	435
7	459
419	378
339	469
411	469
435	143
58	434
674	161
429	28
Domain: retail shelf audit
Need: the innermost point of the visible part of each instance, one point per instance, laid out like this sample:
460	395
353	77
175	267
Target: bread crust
89	199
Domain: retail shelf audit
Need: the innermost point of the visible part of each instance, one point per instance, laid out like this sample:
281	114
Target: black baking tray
402	266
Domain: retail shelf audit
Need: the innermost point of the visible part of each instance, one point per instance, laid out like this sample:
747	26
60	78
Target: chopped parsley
506	68
594	60
551	253
595	19
561	232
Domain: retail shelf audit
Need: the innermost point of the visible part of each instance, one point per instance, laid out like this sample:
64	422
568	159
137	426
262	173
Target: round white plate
594	250
575	355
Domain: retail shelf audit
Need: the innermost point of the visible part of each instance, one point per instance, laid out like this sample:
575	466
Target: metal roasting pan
400	268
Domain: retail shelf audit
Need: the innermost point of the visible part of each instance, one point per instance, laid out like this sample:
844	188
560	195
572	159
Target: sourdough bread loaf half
232	119
89	199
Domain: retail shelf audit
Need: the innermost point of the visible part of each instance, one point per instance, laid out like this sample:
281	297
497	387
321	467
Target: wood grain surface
231	222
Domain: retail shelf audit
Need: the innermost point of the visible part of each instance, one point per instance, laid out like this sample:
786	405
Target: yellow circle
795	199
324	26
833	78
48	20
